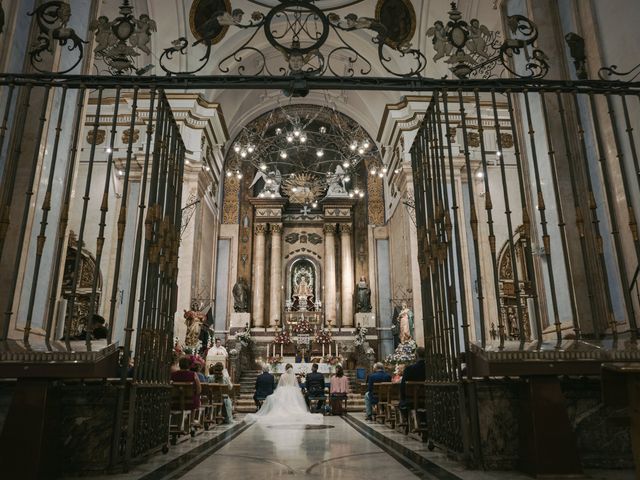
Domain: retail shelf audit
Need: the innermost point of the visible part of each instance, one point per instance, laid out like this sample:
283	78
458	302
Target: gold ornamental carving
473	139
260	228
231	204
345	229
506	140
276	228
127	133
329	229
375	201
99	136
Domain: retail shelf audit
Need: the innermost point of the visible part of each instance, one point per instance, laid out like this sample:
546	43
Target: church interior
431	203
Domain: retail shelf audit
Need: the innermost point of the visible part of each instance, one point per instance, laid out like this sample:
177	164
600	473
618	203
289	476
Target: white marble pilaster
347	275
275	296
330	273
257	287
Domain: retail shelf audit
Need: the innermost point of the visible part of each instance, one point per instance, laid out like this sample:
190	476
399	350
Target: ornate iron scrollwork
52	18
298	30
613	71
474	50
118	40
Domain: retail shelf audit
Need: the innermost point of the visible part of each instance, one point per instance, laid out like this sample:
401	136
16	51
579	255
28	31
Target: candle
336	349
281	350
323	349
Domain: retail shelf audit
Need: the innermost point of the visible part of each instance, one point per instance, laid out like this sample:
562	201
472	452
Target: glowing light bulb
499	153
323	129
380	174
480	174
351	195
353	146
289	138
361	150
296	132
109	150
397	170
239	175
365	144
268	181
294	189
263	167
283	154
187	162
345	164
273	195
278	131
319	153
361	194
347	178
356	191
385	170
373	171
120	172
243	153
261	195
236	148
250	149
229	174
314	204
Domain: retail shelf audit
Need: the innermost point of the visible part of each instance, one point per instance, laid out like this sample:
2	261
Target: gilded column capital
330	228
276	228
260	228
345	229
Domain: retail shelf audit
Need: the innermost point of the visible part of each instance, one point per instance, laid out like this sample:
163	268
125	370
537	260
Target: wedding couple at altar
285	406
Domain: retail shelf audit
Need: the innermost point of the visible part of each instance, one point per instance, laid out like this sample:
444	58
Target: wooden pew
181	416
214	393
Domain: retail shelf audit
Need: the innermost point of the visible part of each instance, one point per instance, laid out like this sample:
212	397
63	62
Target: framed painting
203	19
400	19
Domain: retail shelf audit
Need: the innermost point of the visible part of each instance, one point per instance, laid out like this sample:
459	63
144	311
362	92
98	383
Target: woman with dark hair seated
184	375
338	390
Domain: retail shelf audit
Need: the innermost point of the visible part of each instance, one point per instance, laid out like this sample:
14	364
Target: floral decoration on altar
323	337
275	360
244	337
332	359
405	353
303	326
282	338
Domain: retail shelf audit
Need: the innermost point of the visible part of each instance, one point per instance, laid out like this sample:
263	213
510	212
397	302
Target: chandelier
304	152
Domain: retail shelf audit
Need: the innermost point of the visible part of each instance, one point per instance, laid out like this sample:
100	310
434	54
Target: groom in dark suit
265	384
314	384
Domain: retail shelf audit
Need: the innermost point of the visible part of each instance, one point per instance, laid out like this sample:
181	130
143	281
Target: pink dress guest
187	376
339	384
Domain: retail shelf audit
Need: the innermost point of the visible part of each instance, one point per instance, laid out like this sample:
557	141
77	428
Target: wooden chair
209	407
215	392
381	391
181	416
393	404
416	424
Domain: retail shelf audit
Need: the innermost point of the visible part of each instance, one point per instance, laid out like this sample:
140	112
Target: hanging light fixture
306	151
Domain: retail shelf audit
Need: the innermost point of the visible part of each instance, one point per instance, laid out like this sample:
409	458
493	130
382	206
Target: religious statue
405	318
240	296
364	296
337	187
194	321
303	288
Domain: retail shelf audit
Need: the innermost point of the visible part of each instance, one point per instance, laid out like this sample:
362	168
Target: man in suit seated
378	376
412	373
265	385
314	385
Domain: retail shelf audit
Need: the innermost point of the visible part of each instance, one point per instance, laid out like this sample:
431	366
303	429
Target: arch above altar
304	284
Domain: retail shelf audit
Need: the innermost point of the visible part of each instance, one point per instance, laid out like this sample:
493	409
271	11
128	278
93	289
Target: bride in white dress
286	406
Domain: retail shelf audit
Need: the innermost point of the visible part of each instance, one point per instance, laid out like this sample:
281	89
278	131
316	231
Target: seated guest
218	376
413	373
314	385
338	390
265	385
397	373
197	367
96	327
378	376
187	376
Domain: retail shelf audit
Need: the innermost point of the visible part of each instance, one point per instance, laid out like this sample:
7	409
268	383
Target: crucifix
305	210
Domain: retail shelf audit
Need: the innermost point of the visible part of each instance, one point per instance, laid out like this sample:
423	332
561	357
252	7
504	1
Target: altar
302	368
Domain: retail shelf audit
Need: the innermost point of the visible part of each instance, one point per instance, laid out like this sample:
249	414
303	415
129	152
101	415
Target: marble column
347	275
257	287
275	296
329	299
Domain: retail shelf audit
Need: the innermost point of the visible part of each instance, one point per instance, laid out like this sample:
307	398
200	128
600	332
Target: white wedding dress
286	406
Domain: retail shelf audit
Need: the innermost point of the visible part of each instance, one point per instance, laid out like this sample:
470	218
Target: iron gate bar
238	82
122	216
541	206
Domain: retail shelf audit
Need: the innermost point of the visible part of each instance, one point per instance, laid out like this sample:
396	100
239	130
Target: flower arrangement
282	338
244	337
303	326
323	337
405	353
332	359
274	360
360	336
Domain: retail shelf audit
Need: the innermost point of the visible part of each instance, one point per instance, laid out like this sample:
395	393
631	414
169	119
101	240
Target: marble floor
343	448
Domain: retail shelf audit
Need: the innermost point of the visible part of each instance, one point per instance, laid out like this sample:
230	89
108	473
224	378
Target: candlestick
336	348
323	349
281	350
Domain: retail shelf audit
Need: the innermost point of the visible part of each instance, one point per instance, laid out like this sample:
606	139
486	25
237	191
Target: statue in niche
405	318
303	287
241	296
364	296
337	187
272	181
